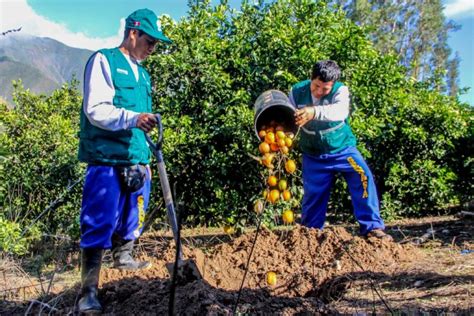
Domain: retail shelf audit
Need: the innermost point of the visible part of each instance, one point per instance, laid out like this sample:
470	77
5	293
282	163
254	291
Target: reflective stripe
325	131
308	131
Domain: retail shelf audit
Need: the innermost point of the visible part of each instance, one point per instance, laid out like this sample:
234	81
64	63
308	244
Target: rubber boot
91	262
122	255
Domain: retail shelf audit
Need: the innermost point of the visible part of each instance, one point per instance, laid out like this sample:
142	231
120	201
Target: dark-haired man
329	147
115	116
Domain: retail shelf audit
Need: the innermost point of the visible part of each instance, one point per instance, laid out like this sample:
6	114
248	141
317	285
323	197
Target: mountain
43	64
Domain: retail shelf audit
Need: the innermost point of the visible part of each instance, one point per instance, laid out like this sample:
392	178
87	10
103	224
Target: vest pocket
334	139
125	93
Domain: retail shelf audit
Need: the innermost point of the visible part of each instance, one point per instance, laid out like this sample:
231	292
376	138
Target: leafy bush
40	142
12	238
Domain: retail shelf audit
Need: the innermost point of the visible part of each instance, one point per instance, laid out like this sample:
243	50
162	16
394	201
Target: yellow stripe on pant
363	177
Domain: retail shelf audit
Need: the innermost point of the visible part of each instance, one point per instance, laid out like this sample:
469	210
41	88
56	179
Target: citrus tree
38	164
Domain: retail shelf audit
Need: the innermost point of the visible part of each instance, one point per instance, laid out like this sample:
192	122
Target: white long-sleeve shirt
99	93
336	109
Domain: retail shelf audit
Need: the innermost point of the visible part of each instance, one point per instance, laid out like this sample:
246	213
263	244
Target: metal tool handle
165	186
156	146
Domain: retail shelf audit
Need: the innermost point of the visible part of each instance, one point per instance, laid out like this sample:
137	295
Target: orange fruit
229	229
282	184
280	135
267	160
274	196
262	134
284	150
288	142
288	217
281	142
286	195
290	166
274	147
270	138
272	181
264	148
271	278
265	193
258	206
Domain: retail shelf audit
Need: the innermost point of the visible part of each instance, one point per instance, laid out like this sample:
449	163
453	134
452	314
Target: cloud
16	13
458	8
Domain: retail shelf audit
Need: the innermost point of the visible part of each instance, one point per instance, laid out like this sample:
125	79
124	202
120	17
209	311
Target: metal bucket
274	105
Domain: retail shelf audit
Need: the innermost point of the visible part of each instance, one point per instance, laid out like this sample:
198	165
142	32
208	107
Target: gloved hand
132	178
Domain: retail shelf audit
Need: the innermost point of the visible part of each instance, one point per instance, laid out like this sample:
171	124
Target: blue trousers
107	209
318	178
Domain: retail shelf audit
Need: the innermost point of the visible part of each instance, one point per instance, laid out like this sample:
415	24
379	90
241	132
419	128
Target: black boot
122	255
91	261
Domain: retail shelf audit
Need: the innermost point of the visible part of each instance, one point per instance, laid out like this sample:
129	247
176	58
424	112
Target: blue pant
318	178
107	209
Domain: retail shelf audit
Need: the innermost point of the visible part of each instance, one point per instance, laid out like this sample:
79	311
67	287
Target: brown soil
318	272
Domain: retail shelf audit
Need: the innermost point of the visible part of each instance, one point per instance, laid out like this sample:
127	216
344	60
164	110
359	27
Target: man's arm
99	92
336	111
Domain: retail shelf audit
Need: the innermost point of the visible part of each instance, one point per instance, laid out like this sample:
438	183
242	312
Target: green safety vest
123	147
322	137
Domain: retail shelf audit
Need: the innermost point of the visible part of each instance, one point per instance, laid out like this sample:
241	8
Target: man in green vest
329	147
116	114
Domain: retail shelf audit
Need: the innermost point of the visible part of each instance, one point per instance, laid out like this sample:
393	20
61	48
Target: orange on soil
271	278
229	229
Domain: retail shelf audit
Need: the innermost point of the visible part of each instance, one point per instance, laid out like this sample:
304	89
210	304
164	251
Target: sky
96	24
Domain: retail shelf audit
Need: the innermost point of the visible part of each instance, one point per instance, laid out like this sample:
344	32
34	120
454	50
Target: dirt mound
305	260
302	258
329	272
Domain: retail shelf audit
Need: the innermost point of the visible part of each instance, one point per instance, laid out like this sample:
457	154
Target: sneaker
380	234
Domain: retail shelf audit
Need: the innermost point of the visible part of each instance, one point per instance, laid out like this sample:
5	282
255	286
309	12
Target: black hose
247	266
176	262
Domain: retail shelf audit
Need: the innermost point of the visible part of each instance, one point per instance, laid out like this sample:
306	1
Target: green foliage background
417	141
39	145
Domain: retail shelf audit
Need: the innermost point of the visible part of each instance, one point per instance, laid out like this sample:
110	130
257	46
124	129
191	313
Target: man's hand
304	115
146	122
